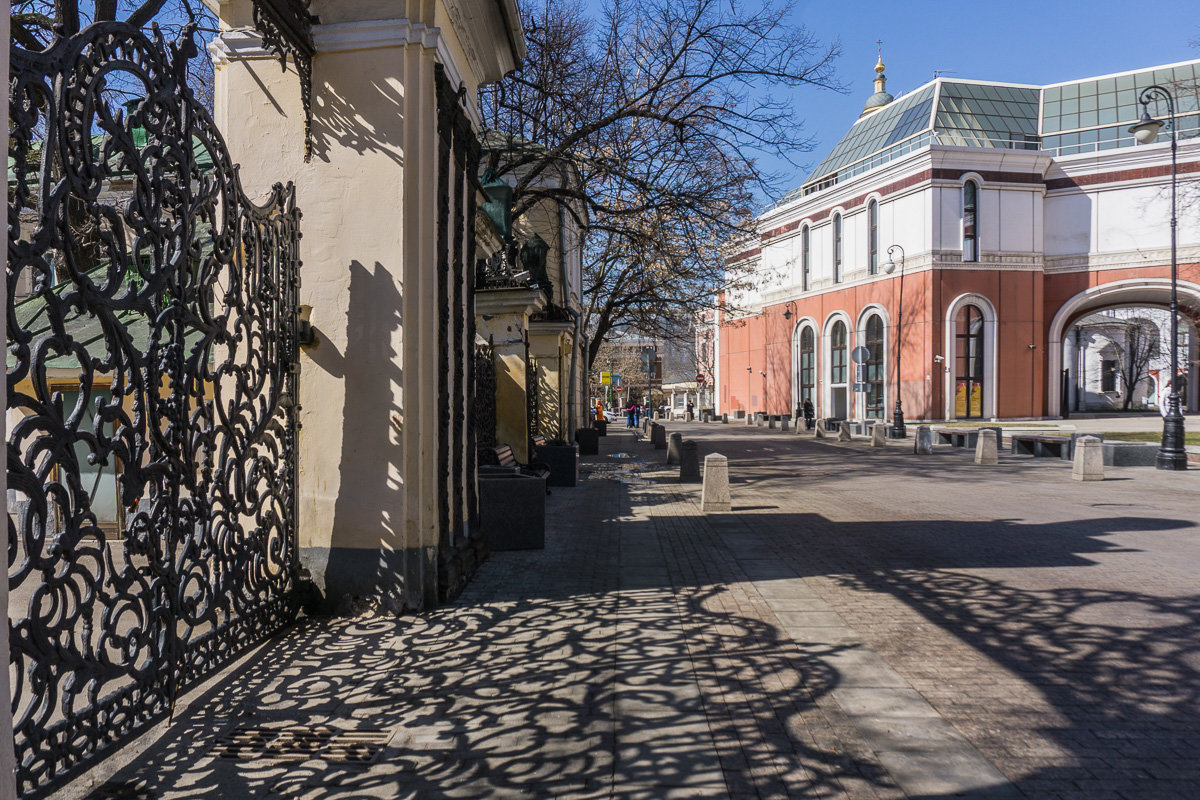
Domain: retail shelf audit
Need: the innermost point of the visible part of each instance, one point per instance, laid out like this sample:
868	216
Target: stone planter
512	511
588	440
561	459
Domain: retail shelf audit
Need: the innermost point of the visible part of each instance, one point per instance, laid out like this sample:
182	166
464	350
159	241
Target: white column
8	762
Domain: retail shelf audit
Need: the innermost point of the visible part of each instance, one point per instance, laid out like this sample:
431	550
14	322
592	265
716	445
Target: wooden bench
503	456
1030	444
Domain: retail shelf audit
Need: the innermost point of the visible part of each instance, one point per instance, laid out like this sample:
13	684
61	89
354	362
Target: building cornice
1124	259
494	302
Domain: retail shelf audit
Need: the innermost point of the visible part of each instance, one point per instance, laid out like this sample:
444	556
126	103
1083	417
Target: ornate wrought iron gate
155	356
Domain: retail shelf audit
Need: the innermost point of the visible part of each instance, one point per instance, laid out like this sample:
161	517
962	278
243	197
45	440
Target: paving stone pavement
865	623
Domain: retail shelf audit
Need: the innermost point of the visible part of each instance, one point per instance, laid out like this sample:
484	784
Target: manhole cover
301	743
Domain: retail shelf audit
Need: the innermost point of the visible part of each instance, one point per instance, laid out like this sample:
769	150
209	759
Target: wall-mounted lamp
789	309
306	334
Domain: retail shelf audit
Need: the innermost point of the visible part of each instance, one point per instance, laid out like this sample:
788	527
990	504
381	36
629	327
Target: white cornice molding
237	44
1121	159
1126	259
494	302
368	34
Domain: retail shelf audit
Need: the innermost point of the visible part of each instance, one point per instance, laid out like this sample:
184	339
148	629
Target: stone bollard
844	431
985	449
689	463
923	444
820	432
714	497
658	436
771	421
749	420
674	444
783	425
1089	459
724	419
879	435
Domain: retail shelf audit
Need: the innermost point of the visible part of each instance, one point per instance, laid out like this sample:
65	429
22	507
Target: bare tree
664	109
1135	343
35	24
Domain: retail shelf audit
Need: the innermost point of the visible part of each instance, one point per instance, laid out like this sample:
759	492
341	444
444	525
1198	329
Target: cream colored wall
550	357
507	331
368	389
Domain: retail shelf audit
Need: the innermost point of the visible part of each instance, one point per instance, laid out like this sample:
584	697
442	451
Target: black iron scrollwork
286	29
484	410
532	404
151	377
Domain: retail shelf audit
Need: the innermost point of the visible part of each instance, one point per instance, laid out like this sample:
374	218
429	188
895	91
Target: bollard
879	435
985	449
820	432
689	463
714	497
844	431
658	436
725	419
923	444
771	421
674	443
1089	459
749	420
783	425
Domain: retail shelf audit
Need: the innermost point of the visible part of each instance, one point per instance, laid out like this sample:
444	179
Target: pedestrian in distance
810	414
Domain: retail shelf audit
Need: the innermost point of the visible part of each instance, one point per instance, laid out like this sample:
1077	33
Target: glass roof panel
891	124
980	115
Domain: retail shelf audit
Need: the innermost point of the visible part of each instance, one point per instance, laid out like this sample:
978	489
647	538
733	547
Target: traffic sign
860	354
618	389
700	378
605	378
616	379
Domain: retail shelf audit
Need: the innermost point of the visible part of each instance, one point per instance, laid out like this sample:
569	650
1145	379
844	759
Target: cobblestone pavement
865	624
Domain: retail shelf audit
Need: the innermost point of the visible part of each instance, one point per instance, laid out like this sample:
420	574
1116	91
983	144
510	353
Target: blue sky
1017	40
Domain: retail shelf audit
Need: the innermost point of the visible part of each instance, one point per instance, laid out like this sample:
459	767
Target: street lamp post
898	429
1171	454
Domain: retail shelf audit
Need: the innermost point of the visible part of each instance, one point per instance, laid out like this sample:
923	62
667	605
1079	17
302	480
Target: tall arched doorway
971	358
805	384
839	407
968	363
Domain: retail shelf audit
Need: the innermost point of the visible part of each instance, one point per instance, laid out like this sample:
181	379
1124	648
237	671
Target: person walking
810	414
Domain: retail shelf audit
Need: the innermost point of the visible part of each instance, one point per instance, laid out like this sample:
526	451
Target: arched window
808	365
805	262
837	248
873	237
874	367
839	405
970	221
968	367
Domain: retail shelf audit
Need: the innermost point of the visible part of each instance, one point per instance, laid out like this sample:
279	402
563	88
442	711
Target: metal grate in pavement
300	742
